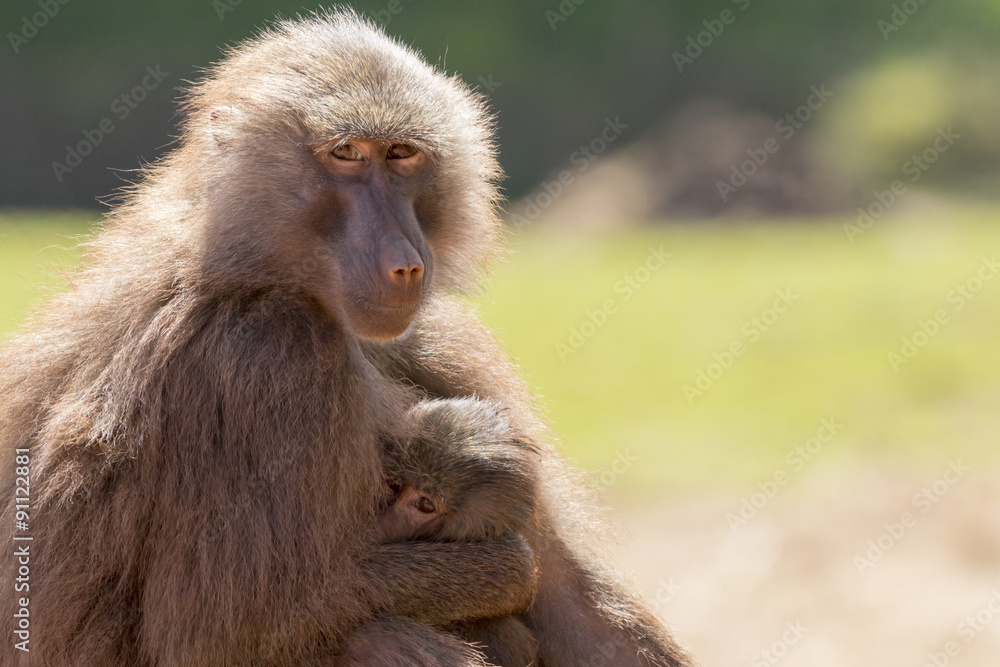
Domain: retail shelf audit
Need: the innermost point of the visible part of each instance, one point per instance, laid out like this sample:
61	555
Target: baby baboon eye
347	152
426	505
400	151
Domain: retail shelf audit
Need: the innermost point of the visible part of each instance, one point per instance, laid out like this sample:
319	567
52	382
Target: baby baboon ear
222	122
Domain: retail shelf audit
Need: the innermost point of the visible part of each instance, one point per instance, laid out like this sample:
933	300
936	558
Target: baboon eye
347	152
426	505
400	151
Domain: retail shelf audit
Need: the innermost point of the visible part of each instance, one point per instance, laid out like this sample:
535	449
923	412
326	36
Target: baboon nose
406	276
402	266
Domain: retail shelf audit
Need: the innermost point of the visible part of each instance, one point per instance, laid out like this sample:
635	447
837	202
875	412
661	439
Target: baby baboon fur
465	477
205	408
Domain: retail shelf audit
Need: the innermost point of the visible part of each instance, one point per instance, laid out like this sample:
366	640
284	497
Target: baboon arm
579	613
400	642
442	582
505	641
579	618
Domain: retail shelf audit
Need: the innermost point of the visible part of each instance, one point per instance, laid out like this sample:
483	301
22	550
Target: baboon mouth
372	320
406	308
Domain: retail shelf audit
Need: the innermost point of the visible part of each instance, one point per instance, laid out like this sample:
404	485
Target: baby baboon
460	478
245	332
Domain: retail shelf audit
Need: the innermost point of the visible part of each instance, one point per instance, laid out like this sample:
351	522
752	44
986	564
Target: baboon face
367	210
413	511
339	163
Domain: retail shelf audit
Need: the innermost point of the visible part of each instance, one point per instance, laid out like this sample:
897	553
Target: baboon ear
222	123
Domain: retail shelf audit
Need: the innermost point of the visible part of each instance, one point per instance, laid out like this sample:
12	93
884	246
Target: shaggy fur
205	436
467	462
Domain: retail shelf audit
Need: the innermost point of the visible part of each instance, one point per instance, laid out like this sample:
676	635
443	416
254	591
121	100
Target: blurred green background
615	389
851	94
812	184
554	71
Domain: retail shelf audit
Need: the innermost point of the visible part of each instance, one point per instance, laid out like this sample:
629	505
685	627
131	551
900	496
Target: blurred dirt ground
853	566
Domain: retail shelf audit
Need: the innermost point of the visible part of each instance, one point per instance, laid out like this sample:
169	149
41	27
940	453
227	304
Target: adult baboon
465	477
204	408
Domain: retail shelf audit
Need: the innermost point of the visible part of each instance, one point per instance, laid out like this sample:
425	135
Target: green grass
34	250
825	357
621	392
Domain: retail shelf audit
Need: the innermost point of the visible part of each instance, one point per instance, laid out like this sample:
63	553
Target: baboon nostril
406	276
